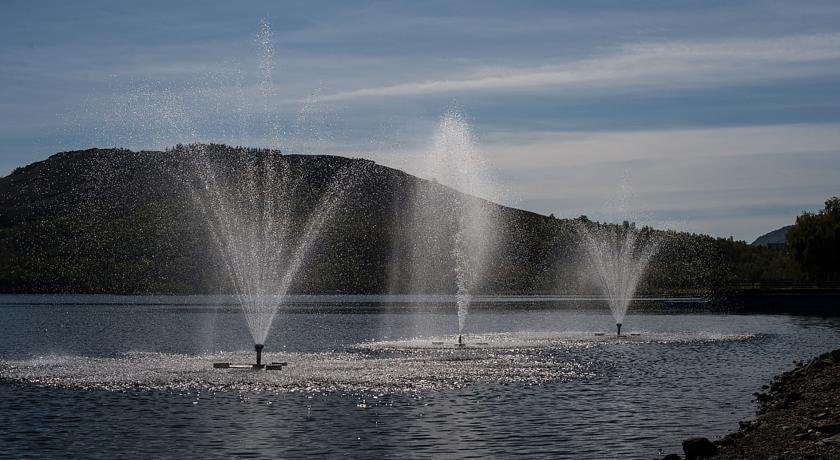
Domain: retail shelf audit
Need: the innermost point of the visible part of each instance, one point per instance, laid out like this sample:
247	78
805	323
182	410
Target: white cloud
564	149
740	181
672	64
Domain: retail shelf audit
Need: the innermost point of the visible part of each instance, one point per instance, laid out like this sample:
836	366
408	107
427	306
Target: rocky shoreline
798	417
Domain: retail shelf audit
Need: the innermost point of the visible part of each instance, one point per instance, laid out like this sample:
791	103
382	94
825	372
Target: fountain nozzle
460	340
258	348
618	327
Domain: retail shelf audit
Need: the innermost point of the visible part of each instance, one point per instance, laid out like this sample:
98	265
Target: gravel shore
798	416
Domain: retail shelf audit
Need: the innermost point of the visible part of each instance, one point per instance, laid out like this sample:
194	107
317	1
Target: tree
815	241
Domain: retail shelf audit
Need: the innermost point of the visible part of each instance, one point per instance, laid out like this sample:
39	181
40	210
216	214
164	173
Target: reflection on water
544	383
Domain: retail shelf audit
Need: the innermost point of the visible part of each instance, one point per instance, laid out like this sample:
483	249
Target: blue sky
724	116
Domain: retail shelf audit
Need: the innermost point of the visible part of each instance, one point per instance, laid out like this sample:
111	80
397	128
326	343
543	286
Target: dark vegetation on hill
117	221
815	242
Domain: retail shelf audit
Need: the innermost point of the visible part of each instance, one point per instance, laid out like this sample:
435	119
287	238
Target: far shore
810	303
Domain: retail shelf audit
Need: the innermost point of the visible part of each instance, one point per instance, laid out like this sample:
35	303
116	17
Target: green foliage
815	241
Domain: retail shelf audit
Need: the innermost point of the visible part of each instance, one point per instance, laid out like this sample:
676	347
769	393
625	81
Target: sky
723	117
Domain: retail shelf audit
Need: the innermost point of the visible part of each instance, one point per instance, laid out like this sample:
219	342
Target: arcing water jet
618	255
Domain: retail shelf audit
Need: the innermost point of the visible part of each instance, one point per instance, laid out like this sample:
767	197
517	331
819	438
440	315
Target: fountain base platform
257	367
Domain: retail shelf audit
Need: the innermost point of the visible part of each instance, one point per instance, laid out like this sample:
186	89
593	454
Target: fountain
263	215
453	232
260	218
618	256
259	348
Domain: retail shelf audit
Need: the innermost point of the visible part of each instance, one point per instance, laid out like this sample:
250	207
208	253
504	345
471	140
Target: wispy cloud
740	181
574	148
704	175
675	63
720	112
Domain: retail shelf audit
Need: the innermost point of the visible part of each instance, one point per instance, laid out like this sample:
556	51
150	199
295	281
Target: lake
368	376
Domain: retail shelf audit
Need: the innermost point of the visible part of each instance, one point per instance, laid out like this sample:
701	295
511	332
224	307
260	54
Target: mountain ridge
121	222
775	237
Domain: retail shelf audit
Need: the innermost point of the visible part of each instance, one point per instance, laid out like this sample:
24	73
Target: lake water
102	376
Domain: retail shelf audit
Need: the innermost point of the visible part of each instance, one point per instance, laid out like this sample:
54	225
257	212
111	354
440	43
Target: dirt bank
798	416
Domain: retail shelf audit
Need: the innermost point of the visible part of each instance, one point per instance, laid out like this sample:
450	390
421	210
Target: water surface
365	379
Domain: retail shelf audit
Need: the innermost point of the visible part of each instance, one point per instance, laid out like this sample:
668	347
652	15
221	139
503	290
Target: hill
776	238
117	221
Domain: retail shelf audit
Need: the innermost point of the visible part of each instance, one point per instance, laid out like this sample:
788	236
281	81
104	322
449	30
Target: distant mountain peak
776	238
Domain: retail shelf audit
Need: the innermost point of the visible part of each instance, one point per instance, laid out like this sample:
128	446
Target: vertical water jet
453	228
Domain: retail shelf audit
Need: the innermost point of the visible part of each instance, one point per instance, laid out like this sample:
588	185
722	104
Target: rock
672	457
762	397
797	417
834	440
819	364
696	448
727	440
829	429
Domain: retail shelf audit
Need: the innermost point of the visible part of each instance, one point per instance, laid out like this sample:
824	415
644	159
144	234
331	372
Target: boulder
829	429
696	448
834	440
672	457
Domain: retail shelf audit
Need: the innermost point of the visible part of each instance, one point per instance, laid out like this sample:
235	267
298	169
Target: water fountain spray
260	213
453	228
618	254
618	257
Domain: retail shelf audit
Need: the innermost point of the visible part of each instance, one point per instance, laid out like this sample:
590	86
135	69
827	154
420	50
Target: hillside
776	237
117	221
